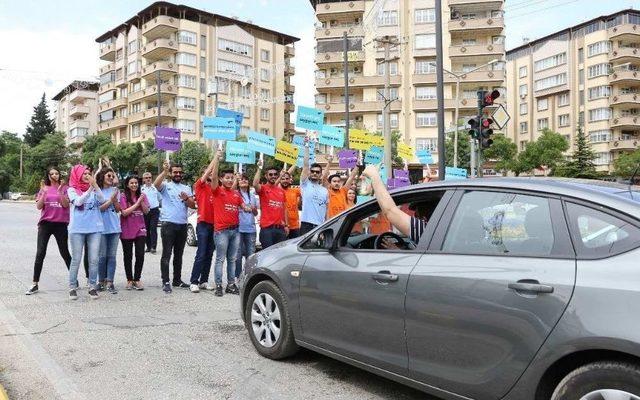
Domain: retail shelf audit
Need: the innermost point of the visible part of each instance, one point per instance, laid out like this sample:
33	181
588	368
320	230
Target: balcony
625	77
485	25
152	91
167	70
449	104
338	57
626	32
355	81
289	126
113	104
108	52
625	55
289	107
108	68
289	88
160	26
167	114
289	70
359	106
159	49
489	4
338	32
289	51
79	123
105	87
629	122
330	9
79	96
112	124
78	110
121	81
624	145
625	100
477	50
497	76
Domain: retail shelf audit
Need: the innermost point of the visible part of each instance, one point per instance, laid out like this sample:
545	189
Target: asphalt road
143	345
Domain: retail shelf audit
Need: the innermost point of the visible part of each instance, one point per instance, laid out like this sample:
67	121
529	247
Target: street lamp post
457	109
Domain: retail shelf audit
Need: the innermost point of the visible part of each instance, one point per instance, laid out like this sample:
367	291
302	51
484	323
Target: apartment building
77	110
584	76
162	64
473	46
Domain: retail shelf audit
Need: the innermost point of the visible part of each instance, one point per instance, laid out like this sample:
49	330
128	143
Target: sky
47	44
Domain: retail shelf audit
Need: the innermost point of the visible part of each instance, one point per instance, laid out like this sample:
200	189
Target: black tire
285	345
192	239
599	376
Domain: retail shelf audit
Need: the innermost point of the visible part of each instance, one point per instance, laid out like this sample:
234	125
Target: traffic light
489	98
485	133
474	131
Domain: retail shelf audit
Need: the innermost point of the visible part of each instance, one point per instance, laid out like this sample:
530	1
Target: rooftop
77	85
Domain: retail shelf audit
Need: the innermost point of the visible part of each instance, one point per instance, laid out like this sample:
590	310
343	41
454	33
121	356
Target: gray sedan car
520	289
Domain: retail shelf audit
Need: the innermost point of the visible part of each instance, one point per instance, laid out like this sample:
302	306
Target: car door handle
385	276
531	286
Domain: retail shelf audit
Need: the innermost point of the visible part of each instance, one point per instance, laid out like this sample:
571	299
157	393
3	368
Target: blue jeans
204	254
227	243
108	251
77	241
247	248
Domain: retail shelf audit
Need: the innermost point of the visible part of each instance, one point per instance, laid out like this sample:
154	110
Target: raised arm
304	175
352	177
207	172
398	219
41	195
215	182
64	199
325	173
256	177
162	175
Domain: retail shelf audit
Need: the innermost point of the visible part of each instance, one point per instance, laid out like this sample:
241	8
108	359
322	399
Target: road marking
63	385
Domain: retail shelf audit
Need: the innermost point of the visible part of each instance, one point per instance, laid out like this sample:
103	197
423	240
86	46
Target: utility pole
472	163
345	50
440	90
387	42
158	103
479	148
21	147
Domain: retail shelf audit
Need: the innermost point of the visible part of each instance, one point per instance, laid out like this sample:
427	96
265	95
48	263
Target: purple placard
402	176
167	139
347	158
394	183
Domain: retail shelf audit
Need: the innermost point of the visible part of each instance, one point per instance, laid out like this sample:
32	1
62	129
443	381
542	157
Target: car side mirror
324	240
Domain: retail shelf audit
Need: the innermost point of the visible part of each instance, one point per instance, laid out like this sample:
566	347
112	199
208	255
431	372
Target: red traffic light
486	122
490	97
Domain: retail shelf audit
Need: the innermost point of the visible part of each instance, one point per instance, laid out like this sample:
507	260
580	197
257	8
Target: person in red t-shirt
274	223
204	230
226	206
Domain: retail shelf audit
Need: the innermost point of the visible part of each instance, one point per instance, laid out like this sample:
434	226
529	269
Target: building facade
162	65
473	46
586	76
77	110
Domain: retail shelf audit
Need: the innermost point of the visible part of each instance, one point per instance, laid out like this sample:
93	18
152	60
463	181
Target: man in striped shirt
409	226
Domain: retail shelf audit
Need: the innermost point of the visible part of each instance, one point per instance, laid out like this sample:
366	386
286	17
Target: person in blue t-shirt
315	197
176	198
153	216
110	211
247	227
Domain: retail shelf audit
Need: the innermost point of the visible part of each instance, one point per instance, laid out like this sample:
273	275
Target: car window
599	234
500	223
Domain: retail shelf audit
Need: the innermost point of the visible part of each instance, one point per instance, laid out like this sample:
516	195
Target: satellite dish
244	81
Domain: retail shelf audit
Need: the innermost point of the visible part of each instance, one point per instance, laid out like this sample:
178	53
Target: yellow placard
286	152
359	140
405	151
376	140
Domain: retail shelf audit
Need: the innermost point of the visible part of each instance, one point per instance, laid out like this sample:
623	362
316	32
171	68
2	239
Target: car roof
615	195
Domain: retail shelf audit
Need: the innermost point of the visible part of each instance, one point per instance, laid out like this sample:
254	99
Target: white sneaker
194	288
211	287
203	286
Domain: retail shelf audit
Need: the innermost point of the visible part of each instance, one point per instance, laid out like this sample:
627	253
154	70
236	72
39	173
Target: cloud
304	79
38	62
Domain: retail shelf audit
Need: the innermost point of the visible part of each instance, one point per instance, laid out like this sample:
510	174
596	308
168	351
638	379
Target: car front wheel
268	322
191	236
607	380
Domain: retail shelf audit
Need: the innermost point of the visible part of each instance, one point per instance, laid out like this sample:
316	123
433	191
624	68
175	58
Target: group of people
92	215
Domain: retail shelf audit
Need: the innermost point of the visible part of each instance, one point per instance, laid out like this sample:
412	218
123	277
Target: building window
426	119
551	81
550	62
107	78
235	47
599	92
563	120
203	107
135	130
186	59
223	86
186	81
393	94
523	90
203	64
245	110
123	92
580	55
524	108
599	114
245	92
187	37
430	144
265	114
425	15
203	42
393	118
524	127
425	67
599	48
264	131
265	55
119	54
543	123
321	98
388	18
563	99
600	136
425	41
522	72
186	103
136	107
602	159
543	104
469	42
264	74
132	68
425	93
108	96
393	68
265	94
186	125
133	46
78	132
599	70
233	67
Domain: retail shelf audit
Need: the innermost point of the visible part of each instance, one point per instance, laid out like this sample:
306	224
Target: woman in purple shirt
53	203
134	206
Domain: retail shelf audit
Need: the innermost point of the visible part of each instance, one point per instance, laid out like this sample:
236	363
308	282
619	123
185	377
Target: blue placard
363	199
424	156
309	118
452	174
261	143
218	128
374	155
237	116
239	152
299	141
332	136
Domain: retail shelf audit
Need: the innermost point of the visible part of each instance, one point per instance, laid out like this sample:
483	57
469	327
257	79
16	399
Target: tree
626	165
504	152
51	151
551	147
126	158
151	158
9	159
464	150
40	125
193	156
95	147
581	163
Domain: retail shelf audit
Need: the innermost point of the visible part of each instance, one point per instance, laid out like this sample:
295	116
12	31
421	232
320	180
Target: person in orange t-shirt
293	201
338	192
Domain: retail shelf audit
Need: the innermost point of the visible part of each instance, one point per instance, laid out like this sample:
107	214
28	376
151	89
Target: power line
542	9
524	5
